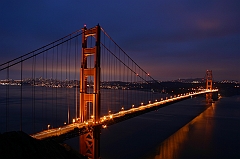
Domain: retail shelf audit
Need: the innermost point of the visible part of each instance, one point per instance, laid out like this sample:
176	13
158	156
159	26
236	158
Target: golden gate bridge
77	84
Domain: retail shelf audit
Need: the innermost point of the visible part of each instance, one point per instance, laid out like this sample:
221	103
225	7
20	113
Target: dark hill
18	144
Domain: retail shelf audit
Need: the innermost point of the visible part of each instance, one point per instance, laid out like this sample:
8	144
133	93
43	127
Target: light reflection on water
172	146
212	134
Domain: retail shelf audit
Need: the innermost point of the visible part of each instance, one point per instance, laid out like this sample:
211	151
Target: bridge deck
77	128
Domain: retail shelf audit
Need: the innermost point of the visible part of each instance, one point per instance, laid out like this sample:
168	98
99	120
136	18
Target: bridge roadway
78	128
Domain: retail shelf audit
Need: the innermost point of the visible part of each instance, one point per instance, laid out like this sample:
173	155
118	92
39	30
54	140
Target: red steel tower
90	100
209	85
209	79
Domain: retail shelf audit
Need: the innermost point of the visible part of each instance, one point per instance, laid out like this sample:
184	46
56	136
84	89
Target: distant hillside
19	145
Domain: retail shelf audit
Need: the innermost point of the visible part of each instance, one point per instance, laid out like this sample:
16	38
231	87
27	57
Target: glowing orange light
104	126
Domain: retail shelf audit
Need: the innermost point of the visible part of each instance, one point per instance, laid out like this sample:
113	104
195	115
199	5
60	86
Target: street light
48	126
104	126
59	130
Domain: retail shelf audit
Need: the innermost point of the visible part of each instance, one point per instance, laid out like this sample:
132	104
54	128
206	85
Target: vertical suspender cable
69	55
61	83
46	95
103	72
52	84
127	86
136	84
21	97
75	77
90	82
119	77
66	84
7	98
56	80
116	78
33	102
123	81
34	94
43	79
132	89
108	73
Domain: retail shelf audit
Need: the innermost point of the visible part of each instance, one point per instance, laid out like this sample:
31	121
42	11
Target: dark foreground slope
18	144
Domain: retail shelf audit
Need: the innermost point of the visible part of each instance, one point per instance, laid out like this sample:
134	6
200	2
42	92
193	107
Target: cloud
172	33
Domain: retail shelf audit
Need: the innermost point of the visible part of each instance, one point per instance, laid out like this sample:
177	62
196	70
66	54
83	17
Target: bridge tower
90	99
209	79
209	85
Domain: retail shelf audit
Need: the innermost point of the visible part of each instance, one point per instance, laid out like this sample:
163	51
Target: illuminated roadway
107	119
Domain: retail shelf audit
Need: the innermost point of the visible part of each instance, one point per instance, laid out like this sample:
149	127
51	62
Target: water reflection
172	147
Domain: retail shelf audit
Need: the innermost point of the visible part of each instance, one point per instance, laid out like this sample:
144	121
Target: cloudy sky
169	38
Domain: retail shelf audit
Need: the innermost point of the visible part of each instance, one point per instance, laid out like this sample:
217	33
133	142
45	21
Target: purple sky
169	38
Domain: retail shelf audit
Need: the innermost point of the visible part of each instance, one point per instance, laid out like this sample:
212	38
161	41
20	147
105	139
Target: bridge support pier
90	143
